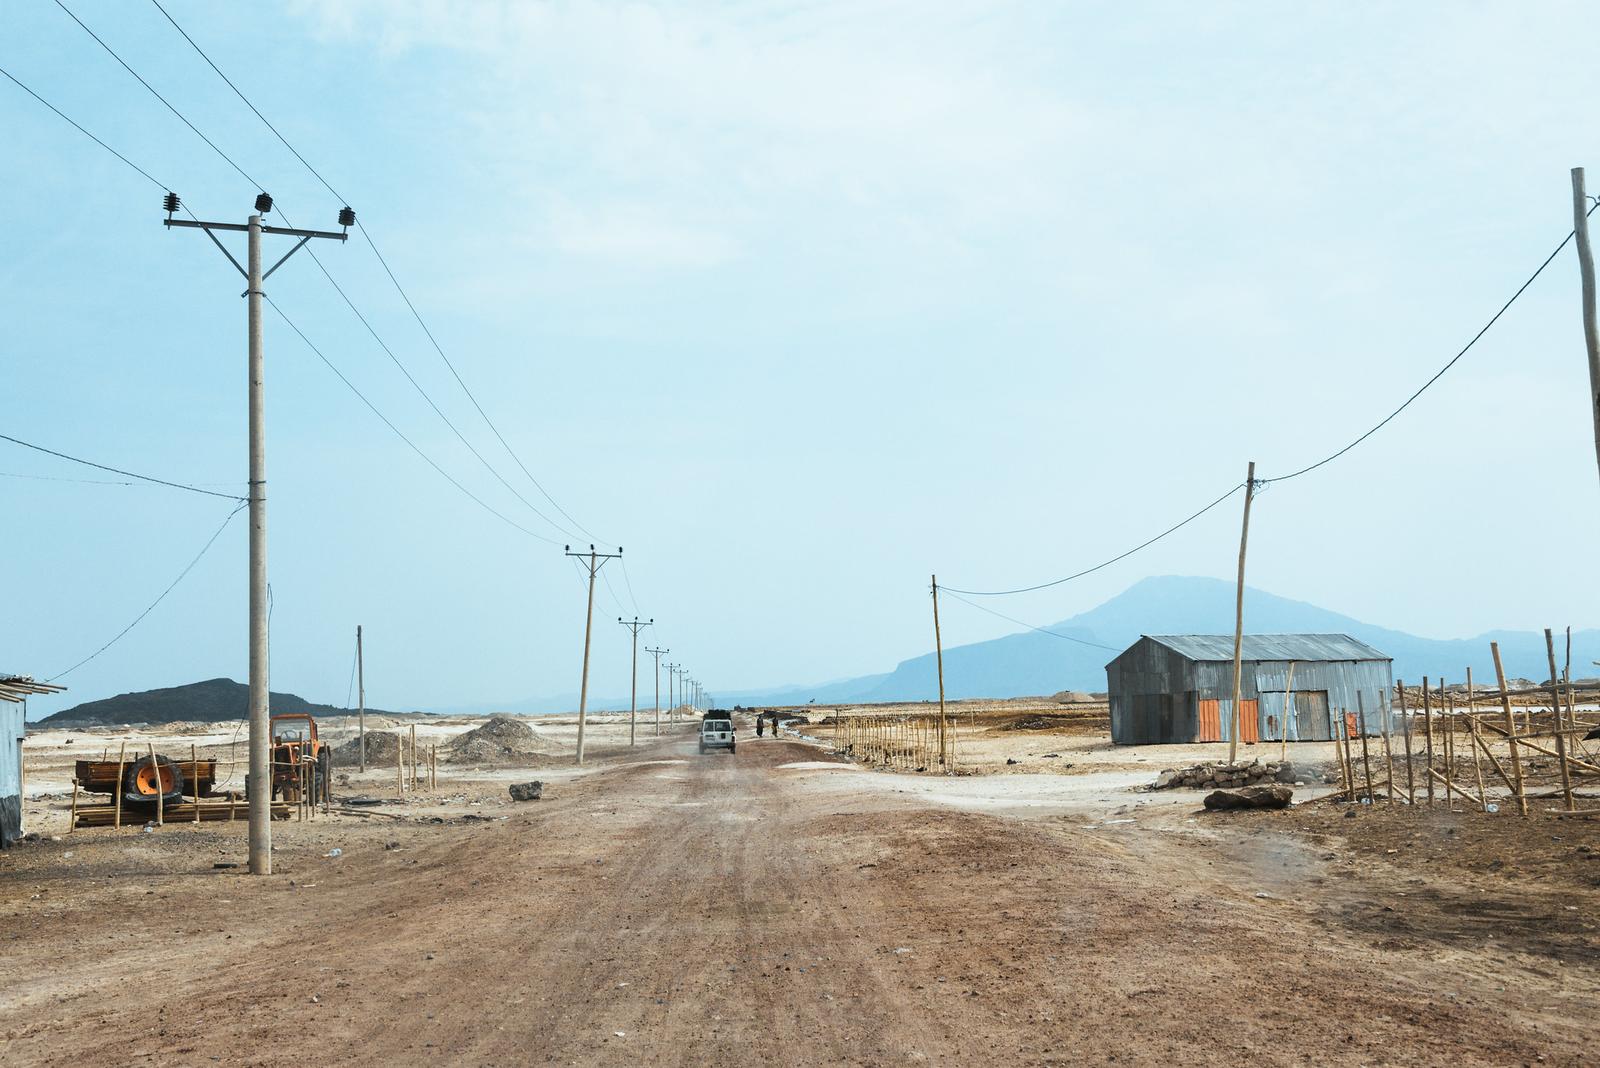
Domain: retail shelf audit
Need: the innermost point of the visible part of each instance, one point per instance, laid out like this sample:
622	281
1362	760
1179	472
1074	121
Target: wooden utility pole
1238	613
633	703
361	700
1591	327
657	654
1288	710
938	650
594	563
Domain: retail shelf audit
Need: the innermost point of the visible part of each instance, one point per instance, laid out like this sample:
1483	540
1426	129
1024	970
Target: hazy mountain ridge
211	700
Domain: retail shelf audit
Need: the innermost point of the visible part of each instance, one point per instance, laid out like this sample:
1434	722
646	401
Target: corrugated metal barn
1179	688
14	692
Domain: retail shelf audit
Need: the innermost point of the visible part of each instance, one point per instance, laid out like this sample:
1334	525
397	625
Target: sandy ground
778	905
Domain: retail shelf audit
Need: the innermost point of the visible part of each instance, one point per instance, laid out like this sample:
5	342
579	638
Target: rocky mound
1214	774
502	740
383	750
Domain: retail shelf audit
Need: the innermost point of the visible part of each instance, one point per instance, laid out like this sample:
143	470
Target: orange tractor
301	762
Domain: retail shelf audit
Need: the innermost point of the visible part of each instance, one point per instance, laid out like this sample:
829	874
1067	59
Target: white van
716	732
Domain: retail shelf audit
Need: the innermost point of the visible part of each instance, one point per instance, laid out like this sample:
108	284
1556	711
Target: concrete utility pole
1238	612
259	782
1591	328
595	562
361	691
633	703
657	654
938	649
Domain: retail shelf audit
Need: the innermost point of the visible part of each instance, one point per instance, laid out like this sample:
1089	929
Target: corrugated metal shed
1179	688
1269	647
14	689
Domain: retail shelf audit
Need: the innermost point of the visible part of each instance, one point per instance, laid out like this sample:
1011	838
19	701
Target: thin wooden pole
1388	752
161	788
1447	712
1591	327
1511	731
938	650
1427	732
1405	725
1349	758
1561	734
1477	764
1238	613
1366	756
72	824
1288	710
194	763
122	763
400	762
361	707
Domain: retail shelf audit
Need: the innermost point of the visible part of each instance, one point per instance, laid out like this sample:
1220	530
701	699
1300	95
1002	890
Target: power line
1030	626
81	130
112	53
430	461
120	471
409	305
1440	373
138	619
629	583
1091	570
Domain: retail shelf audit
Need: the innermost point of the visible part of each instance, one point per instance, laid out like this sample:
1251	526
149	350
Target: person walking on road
759	725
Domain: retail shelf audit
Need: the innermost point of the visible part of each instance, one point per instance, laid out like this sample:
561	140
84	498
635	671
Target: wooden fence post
1511	731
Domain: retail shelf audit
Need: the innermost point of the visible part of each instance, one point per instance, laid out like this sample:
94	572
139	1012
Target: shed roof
1305	647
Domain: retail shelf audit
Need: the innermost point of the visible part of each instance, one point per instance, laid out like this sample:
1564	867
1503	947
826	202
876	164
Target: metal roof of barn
1303	647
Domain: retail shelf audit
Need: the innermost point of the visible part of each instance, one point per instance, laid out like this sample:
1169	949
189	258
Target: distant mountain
214	699
1035	663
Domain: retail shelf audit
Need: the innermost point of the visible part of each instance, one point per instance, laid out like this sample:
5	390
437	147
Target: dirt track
730	910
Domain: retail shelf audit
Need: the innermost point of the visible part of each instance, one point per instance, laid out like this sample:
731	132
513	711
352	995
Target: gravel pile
502	740
383	749
1212	775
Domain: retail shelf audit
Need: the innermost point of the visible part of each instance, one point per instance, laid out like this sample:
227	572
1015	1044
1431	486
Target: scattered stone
1012	760
1222	774
527	791
1275	796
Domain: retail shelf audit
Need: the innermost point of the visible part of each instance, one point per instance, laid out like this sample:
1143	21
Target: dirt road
765	908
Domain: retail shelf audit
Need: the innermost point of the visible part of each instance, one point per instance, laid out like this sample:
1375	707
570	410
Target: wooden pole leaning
1427	733
938	650
1511	731
161	788
1366	757
1238	614
1561	734
122	766
1288	710
1405	725
194	766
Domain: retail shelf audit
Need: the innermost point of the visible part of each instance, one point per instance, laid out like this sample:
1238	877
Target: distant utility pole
1591	328
361	691
657	654
633	704
1238	612
595	561
672	713
938	649
259	783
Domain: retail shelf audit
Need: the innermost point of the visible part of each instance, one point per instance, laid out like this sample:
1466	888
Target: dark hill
214	699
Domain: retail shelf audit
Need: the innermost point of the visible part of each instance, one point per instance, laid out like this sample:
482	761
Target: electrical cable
623	560
1030	626
188	568
120	471
374	409
1440	373
351	689
403	296
1120	556
112	53
81	130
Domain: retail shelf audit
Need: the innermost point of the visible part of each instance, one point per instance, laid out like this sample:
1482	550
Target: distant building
1179	688
14	690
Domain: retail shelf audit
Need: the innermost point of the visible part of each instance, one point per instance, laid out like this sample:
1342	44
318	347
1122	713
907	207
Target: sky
800	303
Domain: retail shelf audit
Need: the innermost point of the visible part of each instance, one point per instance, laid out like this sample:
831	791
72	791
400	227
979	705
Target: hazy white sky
799	303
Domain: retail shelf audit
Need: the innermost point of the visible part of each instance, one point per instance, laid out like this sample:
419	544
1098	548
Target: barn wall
11	732
1155	691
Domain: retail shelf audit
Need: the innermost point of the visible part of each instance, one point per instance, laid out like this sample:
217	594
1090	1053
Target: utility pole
361	691
938	649
1591	328
259	782
1238	611
633	703
657	654
594	563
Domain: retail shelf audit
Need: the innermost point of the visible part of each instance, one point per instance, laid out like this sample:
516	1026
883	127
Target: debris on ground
527	791
1274	796
1214	774
501	740
383	749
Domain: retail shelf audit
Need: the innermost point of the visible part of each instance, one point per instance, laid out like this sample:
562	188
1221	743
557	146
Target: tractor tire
143	780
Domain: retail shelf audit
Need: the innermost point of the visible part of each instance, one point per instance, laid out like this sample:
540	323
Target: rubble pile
1222	775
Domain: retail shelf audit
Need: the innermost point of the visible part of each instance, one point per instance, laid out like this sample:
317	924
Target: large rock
527	791
1276	796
